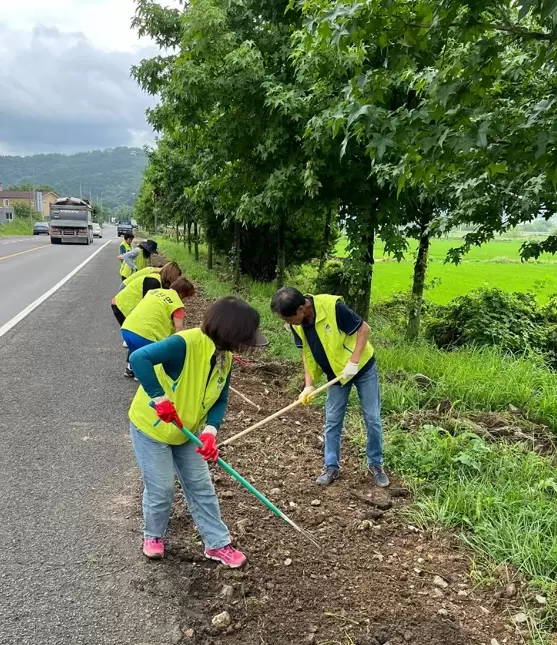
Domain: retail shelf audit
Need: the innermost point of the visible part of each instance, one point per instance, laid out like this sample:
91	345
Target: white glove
305	396
210	430
159	399
350	371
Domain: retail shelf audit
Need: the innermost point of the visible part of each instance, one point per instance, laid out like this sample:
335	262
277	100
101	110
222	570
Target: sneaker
328	476
379	476
227	555
124	344
129	372
153	548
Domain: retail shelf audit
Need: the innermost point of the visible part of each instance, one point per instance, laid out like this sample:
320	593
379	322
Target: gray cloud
59	93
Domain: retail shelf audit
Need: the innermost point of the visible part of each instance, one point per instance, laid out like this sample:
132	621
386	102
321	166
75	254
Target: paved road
71	567
31	265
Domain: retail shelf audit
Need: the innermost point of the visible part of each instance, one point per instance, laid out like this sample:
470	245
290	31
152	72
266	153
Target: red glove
209	451
166	411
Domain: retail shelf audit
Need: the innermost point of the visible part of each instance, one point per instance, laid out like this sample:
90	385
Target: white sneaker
124	344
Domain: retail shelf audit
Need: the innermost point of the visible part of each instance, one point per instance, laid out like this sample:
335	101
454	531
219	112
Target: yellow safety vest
140	262
152	317
143	272
193	393
338	346
132	294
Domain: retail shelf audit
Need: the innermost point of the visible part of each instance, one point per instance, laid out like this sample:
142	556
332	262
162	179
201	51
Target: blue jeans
158	462
367	385
134	341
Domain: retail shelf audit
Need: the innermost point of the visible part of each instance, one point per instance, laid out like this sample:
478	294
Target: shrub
511	321
335	280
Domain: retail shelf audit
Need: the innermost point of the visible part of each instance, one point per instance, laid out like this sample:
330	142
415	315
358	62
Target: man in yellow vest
334	342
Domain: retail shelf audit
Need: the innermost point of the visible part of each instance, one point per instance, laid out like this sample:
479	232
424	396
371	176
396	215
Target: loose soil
376	579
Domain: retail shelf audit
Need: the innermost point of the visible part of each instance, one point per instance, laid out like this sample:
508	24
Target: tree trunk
196	240
281	257
177	231
209	255
326	241
236	254
189	236
184	229
363	288
420	270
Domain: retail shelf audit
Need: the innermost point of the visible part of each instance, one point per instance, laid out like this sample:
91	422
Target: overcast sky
65	81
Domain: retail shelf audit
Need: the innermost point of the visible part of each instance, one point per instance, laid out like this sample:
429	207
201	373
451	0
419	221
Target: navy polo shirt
347	321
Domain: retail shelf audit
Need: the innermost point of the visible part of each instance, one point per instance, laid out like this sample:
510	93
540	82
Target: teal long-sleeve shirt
171	354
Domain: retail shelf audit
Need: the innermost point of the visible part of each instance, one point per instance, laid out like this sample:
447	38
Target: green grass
501	500
17	227
499	249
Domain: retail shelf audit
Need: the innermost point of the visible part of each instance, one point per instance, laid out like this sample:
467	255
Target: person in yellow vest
335	343
137	258
187	376
138	284
125	246
156	317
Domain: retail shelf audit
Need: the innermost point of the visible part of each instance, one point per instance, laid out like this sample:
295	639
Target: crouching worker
334	341
156	317
187	376
136	259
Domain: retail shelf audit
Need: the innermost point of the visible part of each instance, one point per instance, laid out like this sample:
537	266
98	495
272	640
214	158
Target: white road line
39	301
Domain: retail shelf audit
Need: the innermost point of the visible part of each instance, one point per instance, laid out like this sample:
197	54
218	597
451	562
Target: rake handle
279	413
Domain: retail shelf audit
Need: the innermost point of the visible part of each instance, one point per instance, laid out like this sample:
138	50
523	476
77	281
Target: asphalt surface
31	265
72	571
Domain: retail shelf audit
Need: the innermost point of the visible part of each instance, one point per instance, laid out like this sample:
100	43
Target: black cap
150	246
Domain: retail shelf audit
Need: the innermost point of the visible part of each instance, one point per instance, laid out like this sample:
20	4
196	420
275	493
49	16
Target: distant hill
114	174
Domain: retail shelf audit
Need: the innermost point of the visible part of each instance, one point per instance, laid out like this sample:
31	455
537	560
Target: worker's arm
178	320
170	353
362	336
308	380
129	258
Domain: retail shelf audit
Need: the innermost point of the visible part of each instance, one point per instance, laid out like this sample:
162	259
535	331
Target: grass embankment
500	499
17	227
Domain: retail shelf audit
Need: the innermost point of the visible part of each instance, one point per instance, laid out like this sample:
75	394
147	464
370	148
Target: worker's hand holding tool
165	409
209	450
305	396
350	370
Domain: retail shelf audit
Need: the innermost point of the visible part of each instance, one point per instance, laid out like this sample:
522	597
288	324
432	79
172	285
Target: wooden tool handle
279	413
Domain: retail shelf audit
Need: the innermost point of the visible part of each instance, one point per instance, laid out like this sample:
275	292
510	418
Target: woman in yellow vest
138	284
158	315
187	376
137	258
125	246
335	343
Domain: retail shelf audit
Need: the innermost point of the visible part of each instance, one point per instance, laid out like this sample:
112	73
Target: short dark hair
129	236
231	323
287	301
183	287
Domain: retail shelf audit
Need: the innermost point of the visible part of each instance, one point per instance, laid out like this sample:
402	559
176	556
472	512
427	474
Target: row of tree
281	121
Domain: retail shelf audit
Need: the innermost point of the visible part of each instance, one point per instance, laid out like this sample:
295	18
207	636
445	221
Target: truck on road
124	227
71	221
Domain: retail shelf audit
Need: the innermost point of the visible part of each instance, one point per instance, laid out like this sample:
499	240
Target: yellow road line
5	257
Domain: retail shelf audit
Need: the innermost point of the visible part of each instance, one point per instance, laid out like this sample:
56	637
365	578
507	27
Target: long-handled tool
279	413
245	398
246	484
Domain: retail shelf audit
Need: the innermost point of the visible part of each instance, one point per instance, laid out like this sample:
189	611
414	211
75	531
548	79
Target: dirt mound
376	579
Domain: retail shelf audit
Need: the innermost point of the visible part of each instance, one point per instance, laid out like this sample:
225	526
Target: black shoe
328	476
379	476
129	373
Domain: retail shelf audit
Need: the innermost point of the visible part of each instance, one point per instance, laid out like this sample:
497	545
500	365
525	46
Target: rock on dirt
510	590
222	620
520	618
438	581
227	592
316	502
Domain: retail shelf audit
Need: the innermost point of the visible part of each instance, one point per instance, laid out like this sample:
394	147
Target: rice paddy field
496	264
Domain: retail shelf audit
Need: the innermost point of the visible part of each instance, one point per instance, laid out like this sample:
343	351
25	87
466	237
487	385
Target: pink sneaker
153	548
227	555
